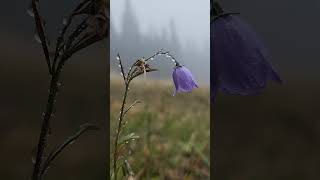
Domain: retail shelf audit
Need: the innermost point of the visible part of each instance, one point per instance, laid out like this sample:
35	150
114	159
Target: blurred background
141	28
24	89
270	136
174	131
274	135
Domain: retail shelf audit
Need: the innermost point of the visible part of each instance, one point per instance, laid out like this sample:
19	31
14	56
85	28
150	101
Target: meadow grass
174	131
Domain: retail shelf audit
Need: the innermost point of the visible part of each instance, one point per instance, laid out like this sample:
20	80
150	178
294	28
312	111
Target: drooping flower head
239	60
183	79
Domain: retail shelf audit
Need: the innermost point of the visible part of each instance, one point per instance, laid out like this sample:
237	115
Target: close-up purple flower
183	80
239	60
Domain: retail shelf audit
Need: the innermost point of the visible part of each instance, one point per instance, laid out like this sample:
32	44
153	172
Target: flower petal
183	80
240	62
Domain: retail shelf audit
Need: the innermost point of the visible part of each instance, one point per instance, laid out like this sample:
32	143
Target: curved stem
161	52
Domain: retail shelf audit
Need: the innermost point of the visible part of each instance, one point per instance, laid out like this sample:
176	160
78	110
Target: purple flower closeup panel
183	80
239	61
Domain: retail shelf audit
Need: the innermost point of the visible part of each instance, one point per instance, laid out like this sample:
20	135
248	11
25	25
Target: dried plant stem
115	154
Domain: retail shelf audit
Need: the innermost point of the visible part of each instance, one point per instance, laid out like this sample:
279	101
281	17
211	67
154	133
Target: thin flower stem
84	128
122	69
161	52
43	139
127	79
41	33
115	154
131	106
55	65
154	55
60	40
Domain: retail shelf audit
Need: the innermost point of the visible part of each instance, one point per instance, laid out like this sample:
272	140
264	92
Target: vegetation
174	131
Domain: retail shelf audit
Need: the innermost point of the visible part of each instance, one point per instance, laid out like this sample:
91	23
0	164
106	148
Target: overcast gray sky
190	16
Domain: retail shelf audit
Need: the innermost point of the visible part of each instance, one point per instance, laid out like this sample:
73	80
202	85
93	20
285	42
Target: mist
140	28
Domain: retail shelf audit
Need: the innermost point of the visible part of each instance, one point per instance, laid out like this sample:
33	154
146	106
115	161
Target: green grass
174	131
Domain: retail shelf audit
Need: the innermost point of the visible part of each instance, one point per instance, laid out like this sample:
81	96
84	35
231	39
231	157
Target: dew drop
65	21
119	66
118	58
34	155
33	159
37	37
30	12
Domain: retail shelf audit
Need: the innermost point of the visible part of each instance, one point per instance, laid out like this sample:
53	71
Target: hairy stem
115	154
45	127
43	139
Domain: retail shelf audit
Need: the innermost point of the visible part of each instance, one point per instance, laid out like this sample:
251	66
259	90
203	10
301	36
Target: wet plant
183	81
84	26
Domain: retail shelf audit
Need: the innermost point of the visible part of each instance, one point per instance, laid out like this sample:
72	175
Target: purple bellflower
239	60
183	79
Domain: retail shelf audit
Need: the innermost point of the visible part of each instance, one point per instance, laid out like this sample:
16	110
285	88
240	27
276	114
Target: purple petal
183	80
240	62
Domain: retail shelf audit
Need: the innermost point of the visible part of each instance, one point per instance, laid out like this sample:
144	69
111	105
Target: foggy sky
141	27
190	16
290	28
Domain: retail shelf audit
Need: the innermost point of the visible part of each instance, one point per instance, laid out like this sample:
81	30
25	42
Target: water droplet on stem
30	12
37	38
65	21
